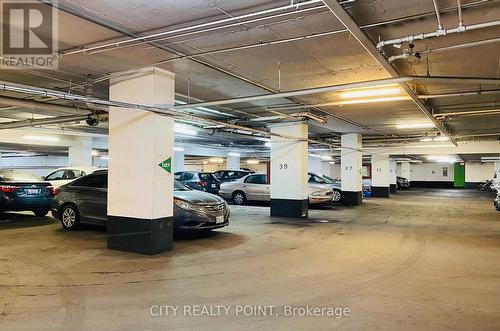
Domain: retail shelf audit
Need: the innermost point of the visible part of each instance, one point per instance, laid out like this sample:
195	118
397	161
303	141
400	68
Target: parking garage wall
477	172
37	165
430	175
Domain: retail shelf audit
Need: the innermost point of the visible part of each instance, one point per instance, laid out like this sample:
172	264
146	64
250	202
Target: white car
254	187
63	176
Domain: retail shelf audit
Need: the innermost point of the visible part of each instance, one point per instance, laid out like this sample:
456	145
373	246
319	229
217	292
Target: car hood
316	187
197	197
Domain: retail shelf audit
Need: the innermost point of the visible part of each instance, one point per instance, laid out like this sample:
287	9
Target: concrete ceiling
328	60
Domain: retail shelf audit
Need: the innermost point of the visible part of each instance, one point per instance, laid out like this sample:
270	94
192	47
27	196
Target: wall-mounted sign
445	171
167	165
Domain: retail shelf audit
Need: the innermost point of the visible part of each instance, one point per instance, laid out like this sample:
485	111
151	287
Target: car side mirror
44	178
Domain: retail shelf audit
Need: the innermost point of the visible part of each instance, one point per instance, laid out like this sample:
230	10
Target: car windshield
316	179
178	186
18	176
329	180
207	176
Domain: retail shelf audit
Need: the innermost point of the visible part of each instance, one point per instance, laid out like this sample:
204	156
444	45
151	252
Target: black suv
231	175
201	181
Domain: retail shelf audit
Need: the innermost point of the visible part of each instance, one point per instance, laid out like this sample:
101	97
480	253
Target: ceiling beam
370	47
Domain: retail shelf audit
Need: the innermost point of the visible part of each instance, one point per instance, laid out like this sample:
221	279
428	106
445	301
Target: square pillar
351	156
80	152
381	178
140	191
289	190
392	176
179	158
405	170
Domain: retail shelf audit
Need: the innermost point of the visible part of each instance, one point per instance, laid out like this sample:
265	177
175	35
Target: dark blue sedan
21	191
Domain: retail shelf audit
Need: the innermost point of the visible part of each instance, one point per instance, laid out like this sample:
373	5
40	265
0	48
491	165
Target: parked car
366	186
22	191
63	176
321	179
254	187
85	201
231	175
402	183
201	181
487	185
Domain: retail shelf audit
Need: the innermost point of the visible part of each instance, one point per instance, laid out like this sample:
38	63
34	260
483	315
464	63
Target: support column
393	177
405	170
381	178
141	146
80	152
233	162
179	160
351	166
289	191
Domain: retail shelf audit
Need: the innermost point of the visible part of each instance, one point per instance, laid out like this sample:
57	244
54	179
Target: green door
459	174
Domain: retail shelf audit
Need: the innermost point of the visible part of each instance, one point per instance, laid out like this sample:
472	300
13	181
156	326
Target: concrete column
141	147
80	152
233	162
179	160
351	156
314	164
381	178
289	191
405	170
392	176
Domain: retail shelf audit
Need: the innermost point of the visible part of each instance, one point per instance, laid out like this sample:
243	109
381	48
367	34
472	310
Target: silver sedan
254	187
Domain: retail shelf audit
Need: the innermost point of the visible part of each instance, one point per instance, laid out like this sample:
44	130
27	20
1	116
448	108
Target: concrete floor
418	261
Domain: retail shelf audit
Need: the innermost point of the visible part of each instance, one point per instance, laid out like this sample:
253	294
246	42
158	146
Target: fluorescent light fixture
370	93
442	158
253	161
326	158
183	129
268	144
426	139
104	157
315	155
332	162
41	138
205	162
490	159
233	154
179	149
415	126
441	138
354	102
95	153
216	160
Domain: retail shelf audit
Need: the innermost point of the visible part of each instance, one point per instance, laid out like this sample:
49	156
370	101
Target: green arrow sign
167	165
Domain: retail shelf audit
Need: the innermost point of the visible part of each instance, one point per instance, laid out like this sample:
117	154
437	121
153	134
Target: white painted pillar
179	160
289	190
233	162
314	164
392	176
80	152
140	191
405	170
351	166
381	178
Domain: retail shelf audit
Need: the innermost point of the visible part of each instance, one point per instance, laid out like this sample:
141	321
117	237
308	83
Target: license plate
214	185
219	219
32	191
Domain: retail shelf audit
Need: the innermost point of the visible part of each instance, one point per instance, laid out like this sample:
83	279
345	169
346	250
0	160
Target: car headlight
317	193
188	206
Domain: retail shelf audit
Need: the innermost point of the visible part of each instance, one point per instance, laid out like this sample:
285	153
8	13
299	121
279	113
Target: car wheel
41	212
337	196
70	219
239	198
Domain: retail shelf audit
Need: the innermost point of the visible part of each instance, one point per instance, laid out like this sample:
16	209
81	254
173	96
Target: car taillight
53	191
203	183
8	188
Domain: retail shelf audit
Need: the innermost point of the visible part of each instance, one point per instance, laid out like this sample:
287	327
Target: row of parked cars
77	196
242	186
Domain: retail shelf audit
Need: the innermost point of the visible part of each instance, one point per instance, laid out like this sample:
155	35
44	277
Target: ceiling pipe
439	32
162	110
468	113
52	120
87	49
348	86
14	102
438	16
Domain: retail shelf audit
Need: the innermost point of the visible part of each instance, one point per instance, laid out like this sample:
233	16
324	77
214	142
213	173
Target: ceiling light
353	102
326	158
315	155
216	160
441	138
41	138
268	144
370	93
104	157
442	159
205	162
253	162
183	129
427	139
179	149
233	154
95	153
490	159
332	162
415	126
